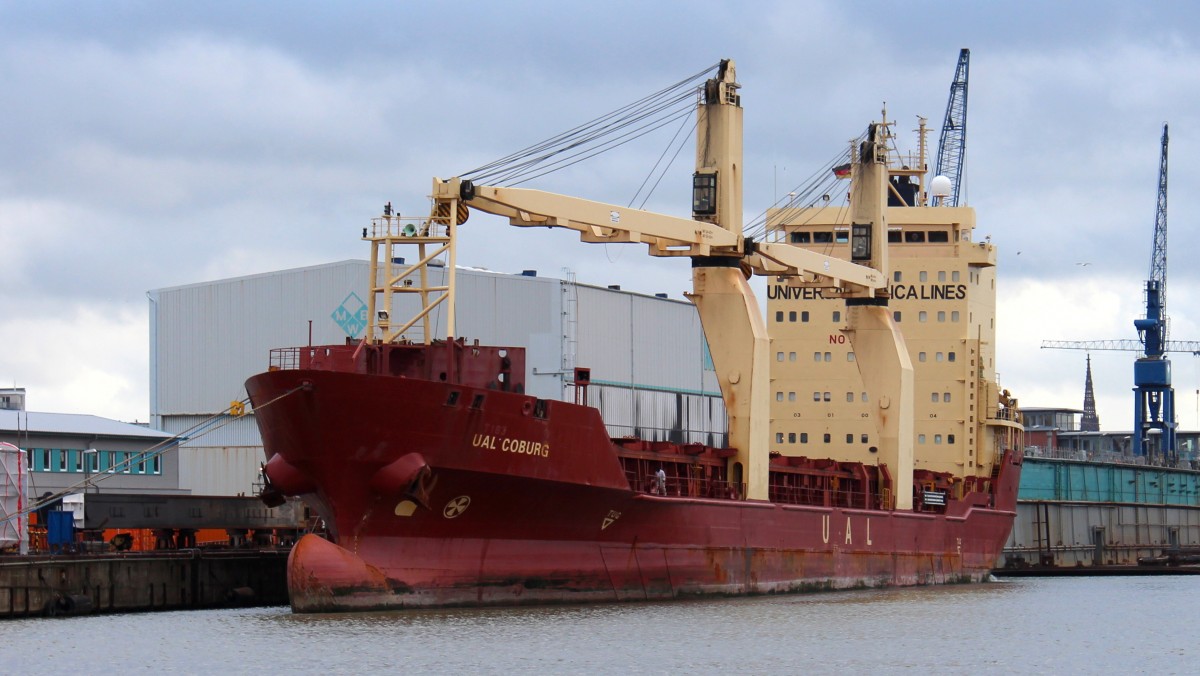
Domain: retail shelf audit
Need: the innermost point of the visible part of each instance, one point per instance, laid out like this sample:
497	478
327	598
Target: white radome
940	186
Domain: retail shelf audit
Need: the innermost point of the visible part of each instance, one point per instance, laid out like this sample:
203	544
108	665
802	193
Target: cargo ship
442	483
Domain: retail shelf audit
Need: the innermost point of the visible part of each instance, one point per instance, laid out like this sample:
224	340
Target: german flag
842	170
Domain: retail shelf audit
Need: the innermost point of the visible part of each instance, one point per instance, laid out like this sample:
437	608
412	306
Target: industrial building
207	338
64	450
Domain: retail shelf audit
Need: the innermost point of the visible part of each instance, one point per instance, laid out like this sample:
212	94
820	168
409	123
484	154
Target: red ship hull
442	494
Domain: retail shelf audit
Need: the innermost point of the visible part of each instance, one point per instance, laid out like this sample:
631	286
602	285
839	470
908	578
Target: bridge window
842	236
913	237
893	237
823	237
939	236
800	238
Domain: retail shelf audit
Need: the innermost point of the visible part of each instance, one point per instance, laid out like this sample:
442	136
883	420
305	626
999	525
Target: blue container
60	530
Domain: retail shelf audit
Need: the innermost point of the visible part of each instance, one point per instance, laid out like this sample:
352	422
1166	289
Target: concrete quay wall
141	581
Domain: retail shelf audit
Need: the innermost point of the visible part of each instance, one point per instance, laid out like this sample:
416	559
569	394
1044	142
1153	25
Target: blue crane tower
1154	398
1154	407
953	143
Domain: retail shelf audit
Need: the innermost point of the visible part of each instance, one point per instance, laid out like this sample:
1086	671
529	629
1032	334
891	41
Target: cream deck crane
721	262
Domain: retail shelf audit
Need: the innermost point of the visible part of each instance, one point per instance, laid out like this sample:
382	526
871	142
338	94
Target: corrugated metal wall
646	353
221	470
210	337
648	370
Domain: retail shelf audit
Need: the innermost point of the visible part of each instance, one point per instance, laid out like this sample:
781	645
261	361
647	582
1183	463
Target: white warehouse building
651	375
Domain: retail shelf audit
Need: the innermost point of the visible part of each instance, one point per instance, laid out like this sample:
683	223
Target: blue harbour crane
1154	398
952	145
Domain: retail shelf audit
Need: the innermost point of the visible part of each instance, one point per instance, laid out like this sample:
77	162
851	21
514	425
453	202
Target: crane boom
1120	344
1158	254
952	145
729	311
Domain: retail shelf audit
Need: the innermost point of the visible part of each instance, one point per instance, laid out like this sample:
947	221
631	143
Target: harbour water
1032	625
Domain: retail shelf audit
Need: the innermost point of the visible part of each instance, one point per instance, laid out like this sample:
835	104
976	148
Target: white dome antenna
940	188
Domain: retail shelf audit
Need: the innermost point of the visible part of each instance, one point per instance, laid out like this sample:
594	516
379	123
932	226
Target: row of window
92	461
827	438
922	316
923	276
943	397
893	236
828	356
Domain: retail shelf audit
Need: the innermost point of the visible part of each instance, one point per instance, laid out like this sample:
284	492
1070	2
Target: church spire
1091	421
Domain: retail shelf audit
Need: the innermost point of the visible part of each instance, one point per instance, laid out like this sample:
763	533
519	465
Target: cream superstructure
943	299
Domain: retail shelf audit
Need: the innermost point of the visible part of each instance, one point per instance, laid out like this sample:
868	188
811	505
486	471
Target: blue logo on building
351	315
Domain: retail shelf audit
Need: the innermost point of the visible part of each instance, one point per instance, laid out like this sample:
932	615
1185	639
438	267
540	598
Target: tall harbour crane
1154	398
953	143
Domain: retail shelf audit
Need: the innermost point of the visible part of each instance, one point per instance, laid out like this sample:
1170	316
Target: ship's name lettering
899	292
930	291
784	292
511	445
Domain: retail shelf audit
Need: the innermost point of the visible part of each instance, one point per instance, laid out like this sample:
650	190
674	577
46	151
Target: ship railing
285	359
411	227
1009	414
1114	457
786	494
675	435
686	487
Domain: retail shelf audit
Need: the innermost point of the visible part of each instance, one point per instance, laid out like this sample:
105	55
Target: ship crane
953	143
1154	397
721	262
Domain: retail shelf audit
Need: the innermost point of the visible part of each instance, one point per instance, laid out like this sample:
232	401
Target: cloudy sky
152	144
